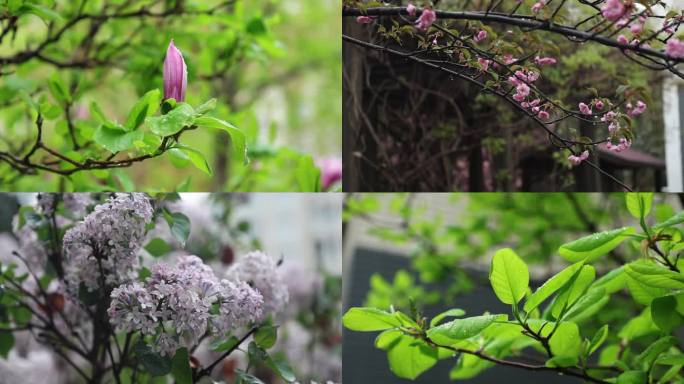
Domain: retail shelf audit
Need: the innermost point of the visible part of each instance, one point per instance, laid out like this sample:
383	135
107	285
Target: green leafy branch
572	296
143	136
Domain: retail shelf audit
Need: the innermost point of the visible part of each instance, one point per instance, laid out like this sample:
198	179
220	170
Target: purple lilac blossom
261	272
106	242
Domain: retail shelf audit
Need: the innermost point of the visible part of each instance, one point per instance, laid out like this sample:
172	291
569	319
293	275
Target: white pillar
673	135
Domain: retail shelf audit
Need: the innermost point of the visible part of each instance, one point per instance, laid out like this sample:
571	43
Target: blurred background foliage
450	240
273	65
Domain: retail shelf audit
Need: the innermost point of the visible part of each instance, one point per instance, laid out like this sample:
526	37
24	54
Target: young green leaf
643	293
369	319
650	274
236	135
158	247
153	362
196	158
173	122
509	276
179	225
454	312
461	329
650	354
567	343
206	107
589	248
6	343
58	89
266	336
632	377
671	359
639	203
672	221
46	14
180	367
115	138
408	357
146	106
572	292
551	286
598	339
282	368
664	313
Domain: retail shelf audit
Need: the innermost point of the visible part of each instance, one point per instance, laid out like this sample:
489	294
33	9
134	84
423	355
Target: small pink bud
411	9
480	36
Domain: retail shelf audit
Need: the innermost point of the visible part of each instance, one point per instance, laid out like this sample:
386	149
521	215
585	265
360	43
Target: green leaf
613	281
86	296
369	319
671	359
58	90
196	158
206	107
572	292
180	226
266	336
598	339
461	329
96	111
154	364
632	377
44	13
6	343
652	275
158	247
282	368
236	135
509	276
672	221
664	313
246	378
308	175
454	312
173	122
643	293
586	301
639	203
180	367
409	357
115	138
650	354
566	342
590	247
146	106
551	286
224	345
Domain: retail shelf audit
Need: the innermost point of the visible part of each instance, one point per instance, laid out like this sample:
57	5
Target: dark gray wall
363	363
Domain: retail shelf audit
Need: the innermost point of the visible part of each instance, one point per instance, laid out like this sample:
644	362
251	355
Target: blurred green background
273	65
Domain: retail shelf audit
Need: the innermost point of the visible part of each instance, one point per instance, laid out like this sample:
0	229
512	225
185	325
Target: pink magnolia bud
175	74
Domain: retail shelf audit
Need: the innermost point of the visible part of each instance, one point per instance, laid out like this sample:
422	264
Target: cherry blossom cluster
104	245
179	304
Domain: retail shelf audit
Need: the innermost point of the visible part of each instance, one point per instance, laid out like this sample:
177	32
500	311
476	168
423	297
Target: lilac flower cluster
261	272
179	304
105	243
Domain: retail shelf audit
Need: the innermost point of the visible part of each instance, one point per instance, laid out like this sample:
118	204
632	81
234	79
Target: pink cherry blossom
622	40
538	6
598	104
675	48
613	10
636	111
576	160
584	109
543	115
544	60
480	36
484	63
509	59
427	17
411	9
364	19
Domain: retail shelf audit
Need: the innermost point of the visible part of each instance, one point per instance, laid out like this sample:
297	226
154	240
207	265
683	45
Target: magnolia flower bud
175	74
